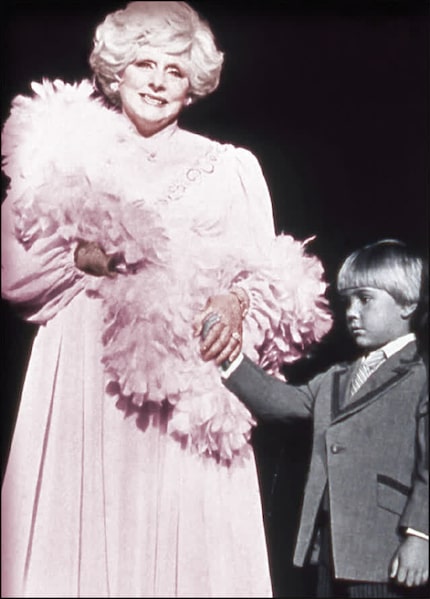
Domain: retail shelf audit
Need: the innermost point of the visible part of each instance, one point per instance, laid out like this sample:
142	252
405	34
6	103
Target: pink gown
131	472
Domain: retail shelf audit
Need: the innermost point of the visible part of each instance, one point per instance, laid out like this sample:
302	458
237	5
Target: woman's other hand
91	259
223	340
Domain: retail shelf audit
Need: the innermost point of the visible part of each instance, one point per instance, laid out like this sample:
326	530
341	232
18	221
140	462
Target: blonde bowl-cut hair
387	264
173	26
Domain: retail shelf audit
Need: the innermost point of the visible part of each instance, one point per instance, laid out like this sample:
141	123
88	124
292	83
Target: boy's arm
410	563
416	513
266	396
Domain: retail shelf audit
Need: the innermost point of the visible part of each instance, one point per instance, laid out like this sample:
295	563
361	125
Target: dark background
333	98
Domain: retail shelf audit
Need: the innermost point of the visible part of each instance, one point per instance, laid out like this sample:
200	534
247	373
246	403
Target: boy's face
374	317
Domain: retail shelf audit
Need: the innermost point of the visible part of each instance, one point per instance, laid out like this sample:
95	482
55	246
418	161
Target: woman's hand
410	565
224	338
91	259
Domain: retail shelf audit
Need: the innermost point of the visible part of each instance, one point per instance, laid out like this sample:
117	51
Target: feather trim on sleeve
58	153
289	310
150	352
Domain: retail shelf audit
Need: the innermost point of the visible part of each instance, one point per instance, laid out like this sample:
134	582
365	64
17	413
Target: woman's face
153	90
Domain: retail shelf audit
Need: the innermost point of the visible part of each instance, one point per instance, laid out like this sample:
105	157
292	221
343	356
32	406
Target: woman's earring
114	86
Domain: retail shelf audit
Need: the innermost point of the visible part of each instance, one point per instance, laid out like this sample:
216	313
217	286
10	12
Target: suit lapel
340	388
388	374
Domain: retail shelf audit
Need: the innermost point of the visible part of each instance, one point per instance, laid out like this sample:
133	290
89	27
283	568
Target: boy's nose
350	317
352	311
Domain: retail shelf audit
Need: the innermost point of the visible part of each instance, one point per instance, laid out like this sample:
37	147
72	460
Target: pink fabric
131	472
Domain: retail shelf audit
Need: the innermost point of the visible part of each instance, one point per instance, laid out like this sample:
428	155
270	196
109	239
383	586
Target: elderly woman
131	472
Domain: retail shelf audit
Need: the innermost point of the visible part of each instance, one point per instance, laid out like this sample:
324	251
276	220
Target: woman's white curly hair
173	26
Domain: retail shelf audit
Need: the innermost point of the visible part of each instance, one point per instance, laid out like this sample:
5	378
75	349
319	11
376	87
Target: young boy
365	509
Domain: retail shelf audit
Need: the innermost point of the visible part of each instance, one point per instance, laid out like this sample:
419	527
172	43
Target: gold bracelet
242	298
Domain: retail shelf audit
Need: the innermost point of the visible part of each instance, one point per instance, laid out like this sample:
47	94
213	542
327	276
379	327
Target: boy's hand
410	564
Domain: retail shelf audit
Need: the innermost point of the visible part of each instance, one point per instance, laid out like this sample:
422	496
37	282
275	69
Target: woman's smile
152	100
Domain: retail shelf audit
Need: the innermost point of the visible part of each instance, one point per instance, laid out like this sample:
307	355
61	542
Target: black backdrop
333	98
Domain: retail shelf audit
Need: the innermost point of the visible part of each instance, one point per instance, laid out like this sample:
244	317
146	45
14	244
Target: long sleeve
416	515
257	215
267	397
41	279
284	281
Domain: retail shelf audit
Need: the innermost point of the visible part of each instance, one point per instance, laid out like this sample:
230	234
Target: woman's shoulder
51	94
203	145
56	104
38	125
205	141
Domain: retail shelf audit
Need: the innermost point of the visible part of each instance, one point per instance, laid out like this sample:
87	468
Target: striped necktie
367	366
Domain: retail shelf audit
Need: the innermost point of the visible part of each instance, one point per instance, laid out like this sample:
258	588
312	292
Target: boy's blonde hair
387	264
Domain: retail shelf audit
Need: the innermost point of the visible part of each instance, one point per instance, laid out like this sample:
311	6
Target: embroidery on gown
204	165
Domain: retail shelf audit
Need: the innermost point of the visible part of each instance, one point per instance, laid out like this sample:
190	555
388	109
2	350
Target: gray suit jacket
372	453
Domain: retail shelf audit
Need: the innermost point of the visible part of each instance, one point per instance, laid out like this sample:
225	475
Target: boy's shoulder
403	359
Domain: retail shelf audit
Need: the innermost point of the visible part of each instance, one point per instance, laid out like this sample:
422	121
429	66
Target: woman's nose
157	80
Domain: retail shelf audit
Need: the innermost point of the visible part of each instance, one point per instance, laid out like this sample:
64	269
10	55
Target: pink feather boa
149	350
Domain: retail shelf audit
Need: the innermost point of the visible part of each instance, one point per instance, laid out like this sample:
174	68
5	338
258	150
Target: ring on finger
235	336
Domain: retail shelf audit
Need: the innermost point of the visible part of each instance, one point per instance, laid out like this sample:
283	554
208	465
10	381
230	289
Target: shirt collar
396	345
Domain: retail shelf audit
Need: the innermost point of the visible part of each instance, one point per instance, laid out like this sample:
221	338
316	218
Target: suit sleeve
268	397
416	513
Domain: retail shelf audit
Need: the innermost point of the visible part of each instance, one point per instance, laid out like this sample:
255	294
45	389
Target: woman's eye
143	64
175	73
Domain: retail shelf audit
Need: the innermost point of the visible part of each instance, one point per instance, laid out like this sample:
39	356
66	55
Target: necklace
155	143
